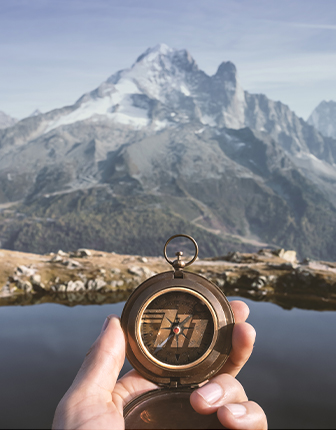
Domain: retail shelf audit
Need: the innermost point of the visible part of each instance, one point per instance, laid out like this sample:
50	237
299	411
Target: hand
95	399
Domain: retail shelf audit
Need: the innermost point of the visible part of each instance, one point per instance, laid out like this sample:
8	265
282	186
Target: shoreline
87	277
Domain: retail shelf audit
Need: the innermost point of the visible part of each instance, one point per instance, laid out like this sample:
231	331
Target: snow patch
117	107
159	125
208	120
185	90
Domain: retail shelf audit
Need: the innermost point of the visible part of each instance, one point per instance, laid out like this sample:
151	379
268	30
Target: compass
178	326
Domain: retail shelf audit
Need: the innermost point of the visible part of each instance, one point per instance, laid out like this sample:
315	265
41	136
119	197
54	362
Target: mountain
323	118
6	120
161	148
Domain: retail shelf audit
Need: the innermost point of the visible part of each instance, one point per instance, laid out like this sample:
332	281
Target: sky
53	51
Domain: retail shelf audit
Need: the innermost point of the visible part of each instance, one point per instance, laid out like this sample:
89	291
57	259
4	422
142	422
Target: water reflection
286	300
291	371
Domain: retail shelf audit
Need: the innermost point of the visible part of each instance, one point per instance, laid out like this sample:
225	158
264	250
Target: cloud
311	26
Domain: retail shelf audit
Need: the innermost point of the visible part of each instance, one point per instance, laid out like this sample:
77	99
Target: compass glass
177	327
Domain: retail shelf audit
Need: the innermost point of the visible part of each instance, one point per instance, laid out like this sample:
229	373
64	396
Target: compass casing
200	289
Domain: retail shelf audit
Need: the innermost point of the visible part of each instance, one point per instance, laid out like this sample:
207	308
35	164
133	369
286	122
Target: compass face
177	328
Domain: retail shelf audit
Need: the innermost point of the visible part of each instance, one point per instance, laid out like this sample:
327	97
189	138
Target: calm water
291	372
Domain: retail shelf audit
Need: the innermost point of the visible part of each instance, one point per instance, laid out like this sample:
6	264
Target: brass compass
178	326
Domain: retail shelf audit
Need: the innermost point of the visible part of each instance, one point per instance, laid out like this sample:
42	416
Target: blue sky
53	51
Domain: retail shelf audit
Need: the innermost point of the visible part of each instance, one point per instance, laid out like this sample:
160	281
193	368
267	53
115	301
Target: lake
291	372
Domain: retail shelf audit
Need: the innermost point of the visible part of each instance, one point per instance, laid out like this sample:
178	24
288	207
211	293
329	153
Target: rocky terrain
92	277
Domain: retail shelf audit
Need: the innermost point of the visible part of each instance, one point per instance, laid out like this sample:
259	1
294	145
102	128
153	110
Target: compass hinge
178	274
174	382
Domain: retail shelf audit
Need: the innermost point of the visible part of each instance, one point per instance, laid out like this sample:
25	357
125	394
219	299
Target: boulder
143	259
56	259
26	286
140	271
148	272
5	291
287	255
75	286
71	263
25	271
135	271
84	252
36	282
36	278
95	284
81	253
235	257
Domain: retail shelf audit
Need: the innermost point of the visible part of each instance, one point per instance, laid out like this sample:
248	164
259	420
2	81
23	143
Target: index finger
104	359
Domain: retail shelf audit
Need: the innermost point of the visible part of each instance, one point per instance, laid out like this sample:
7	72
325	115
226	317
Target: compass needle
185	320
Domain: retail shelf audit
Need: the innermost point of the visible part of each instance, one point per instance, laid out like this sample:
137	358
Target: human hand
96	400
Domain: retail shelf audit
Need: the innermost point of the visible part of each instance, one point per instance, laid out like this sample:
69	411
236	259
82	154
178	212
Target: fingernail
236	409
106	323
211	392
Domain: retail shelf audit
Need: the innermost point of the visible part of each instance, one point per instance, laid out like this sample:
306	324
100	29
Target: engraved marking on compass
176	328
152	316
198	332
167	321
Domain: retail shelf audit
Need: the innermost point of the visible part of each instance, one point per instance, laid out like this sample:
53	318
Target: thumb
104	360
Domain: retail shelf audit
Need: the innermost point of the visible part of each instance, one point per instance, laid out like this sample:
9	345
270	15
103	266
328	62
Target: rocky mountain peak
36	112
323	118
152	53
6	120
227	71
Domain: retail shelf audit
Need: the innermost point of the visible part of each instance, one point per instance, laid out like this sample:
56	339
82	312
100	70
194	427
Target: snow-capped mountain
6	120
323	118
234	165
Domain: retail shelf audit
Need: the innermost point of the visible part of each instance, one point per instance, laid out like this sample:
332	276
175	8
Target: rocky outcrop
92	277
74	272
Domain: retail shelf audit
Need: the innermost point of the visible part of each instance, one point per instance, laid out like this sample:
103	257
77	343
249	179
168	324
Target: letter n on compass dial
177	328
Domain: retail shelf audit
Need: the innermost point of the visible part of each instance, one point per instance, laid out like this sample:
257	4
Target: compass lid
169	409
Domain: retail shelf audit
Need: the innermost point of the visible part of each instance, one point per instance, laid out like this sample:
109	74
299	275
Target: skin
96	398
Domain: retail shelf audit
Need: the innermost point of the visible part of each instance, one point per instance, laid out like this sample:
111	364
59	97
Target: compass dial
177	328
